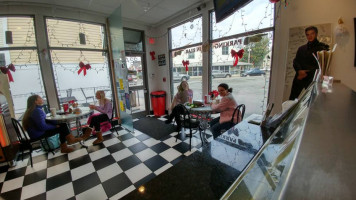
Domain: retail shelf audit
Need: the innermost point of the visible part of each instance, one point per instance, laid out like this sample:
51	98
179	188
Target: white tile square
99	154
58	169
96	192
56	154
150	142
109	172
138	172
2	177
110	142
12	184
195	141
131	142
136	133
162	169
33	189
188	153
123	132
77	153
63	192
82	171
146	154
38	152
123	193
170	154
20	164
36	167
172	141
119	155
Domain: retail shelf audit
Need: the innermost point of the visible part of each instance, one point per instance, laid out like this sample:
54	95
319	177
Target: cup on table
65	107
53	112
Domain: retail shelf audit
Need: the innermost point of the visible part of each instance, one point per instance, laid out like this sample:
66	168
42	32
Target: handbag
53	143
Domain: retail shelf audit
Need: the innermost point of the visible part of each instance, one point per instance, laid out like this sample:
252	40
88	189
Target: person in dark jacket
34	122
304	63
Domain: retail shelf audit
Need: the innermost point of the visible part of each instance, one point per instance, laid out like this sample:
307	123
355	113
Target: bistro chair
24	139
113	121
239	110
184	120
87	97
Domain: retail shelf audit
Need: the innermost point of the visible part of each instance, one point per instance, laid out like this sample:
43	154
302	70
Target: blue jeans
216	127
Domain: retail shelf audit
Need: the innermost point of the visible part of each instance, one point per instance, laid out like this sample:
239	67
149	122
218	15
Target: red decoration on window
83	68
6	70
185	64
213	94
151	40
152	53
274	1
237	55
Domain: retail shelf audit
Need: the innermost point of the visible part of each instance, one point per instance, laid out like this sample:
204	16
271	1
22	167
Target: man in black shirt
304	62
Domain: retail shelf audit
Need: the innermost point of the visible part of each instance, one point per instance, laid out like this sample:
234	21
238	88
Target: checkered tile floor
107	171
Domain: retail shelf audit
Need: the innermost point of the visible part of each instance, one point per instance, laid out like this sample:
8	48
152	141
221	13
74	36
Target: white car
220	74
180	77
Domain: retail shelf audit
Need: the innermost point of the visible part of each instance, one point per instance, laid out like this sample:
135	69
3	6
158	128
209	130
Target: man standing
304	62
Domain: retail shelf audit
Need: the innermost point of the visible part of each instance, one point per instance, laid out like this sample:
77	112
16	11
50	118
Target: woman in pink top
226	108
94	121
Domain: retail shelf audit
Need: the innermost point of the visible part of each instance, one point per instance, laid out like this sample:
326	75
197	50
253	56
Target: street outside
251	91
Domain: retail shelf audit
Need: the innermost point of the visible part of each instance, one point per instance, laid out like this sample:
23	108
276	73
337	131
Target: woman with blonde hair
34	122
183	95
94	121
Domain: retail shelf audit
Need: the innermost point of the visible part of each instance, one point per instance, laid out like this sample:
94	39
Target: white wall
306	12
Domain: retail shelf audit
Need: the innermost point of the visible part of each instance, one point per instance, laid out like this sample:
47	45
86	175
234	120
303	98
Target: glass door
137	84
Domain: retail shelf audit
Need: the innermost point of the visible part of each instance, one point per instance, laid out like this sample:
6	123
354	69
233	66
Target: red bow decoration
274	1
214	94
6	70
185	64
152	53
83	68
237	55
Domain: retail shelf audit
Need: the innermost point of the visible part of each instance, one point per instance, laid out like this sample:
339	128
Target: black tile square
15	173
126	136
58	180
79	161
160	147
177	160
129	162
109	136
182	147
138	147
13	194
143	137
116	184
57	160
38	197
4	168
103	162
155	162
165	137
94	148
116	147
144	180
39	158
35	177
85	183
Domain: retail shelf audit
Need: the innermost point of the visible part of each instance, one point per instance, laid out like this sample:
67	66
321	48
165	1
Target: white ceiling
158	10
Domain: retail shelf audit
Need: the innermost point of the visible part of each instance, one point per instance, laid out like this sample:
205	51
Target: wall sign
161	60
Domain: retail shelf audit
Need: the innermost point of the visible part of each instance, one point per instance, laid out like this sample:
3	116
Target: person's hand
302	74
91	106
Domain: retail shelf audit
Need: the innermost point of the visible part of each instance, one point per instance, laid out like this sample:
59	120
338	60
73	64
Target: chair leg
190	140
31	156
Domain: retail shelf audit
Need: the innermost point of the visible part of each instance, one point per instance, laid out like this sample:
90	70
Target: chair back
183	113
69	92
239	111
21	134
83	92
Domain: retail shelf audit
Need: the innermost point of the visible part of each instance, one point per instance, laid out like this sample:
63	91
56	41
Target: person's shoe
65	148
100	138
86	133
72	140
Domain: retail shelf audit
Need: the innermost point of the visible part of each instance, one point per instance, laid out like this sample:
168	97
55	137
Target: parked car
180	77
253	72
220	74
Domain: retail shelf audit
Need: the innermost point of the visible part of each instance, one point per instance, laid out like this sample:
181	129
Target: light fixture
8	37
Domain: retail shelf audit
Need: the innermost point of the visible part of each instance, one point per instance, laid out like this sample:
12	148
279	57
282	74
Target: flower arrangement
213	94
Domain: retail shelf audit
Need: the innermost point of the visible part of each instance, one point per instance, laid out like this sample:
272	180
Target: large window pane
187	34
65	65
63	33
250	78
20	28
256	15
27	77
194	73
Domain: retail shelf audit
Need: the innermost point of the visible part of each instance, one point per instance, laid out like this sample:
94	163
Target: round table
203	115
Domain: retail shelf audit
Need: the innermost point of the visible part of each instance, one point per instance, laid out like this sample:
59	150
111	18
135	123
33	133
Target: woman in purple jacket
105	112
226	108
34	122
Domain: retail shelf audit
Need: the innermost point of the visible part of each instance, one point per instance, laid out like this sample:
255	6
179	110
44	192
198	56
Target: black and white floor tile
106	171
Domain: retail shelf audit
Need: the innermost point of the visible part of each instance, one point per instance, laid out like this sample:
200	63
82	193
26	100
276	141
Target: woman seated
105	112
183	95
226	107
34	122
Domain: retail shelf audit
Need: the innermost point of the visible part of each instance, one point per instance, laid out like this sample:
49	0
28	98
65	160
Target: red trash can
158	100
